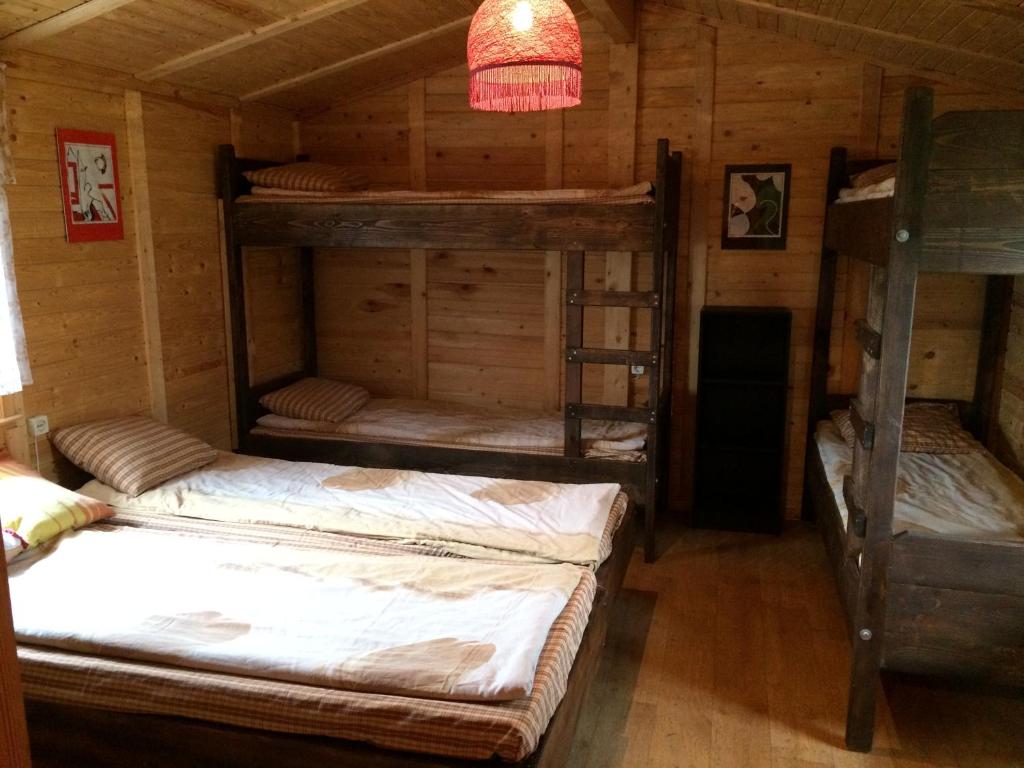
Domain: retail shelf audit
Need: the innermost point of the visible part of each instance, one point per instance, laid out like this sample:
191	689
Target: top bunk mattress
878	183
638	194
966	495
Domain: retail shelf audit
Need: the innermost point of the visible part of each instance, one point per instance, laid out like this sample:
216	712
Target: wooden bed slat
870	340
639	300
865	429
610	356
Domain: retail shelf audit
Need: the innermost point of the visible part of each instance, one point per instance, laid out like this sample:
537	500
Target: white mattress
453	425
549	522
966	495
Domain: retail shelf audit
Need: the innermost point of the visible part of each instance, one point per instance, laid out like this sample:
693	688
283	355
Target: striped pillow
927	428
309	177
132	454
33	510
316	400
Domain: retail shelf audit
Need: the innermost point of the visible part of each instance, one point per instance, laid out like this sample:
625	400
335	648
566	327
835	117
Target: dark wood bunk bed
919	602
68	735
573	228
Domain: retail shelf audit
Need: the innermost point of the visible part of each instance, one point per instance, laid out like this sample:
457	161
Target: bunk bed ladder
661	303
877	416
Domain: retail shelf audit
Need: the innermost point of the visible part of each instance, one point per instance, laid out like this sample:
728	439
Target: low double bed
284	613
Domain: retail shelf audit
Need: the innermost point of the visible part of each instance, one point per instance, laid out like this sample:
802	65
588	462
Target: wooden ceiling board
329	40
300	54
18	14
436	55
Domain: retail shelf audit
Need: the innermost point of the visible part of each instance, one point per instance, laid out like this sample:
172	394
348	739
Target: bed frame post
660	257
837	179
668	309
574	272
905	250
228	180
310	361
995	331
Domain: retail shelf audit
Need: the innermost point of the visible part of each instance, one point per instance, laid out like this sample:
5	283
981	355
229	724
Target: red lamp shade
524	56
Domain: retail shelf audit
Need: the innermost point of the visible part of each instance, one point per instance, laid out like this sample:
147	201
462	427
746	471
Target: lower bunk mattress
237	652
449	425
964	495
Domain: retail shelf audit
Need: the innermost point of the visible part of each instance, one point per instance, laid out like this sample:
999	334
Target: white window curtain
14	368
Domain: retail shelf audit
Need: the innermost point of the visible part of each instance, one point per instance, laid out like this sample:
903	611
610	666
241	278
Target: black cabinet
742	395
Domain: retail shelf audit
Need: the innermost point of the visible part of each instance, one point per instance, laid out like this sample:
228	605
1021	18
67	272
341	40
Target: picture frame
90	185
755	213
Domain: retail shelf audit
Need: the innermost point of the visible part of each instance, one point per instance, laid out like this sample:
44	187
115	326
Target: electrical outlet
38	426
639	370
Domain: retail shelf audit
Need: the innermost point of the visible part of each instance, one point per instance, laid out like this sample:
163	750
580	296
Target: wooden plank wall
81	302
729	95
84	304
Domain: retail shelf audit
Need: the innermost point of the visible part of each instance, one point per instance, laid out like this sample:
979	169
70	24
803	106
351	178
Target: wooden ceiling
305	55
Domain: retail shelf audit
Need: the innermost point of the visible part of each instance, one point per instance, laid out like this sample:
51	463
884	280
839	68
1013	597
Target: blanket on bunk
510	729
414	625
452	425
968	495
474	516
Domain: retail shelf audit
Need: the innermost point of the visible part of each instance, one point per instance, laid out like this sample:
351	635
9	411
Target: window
14	369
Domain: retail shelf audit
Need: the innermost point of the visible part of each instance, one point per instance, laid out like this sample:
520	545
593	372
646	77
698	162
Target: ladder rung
637	299
865	429
870	339
611	357
858	520
611	413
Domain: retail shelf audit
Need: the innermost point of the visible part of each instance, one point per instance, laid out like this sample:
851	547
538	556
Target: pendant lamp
524	56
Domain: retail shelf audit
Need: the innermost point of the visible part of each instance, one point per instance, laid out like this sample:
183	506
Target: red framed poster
90	185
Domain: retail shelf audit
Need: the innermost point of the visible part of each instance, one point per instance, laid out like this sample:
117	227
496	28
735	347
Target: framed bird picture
90	185
756	202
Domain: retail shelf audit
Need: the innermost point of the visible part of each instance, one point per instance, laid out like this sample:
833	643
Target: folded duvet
549	521
408	624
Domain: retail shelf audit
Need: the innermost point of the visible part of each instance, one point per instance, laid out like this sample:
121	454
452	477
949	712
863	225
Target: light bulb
522	17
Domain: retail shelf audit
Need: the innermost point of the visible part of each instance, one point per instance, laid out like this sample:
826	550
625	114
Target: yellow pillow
33	510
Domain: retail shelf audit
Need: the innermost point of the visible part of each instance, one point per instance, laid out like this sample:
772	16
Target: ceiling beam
767	7
928	74
354	61
618	17
62	22
252	37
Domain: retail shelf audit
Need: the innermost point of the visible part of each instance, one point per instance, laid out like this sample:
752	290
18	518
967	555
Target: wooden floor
731	652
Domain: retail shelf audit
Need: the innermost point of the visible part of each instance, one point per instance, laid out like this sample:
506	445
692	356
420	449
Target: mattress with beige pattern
476	516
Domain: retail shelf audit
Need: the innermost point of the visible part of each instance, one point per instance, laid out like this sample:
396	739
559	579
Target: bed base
572	229
917	603
64	735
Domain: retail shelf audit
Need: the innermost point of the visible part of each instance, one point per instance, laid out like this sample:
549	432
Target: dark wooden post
574	271
837	179
228	177
879	496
